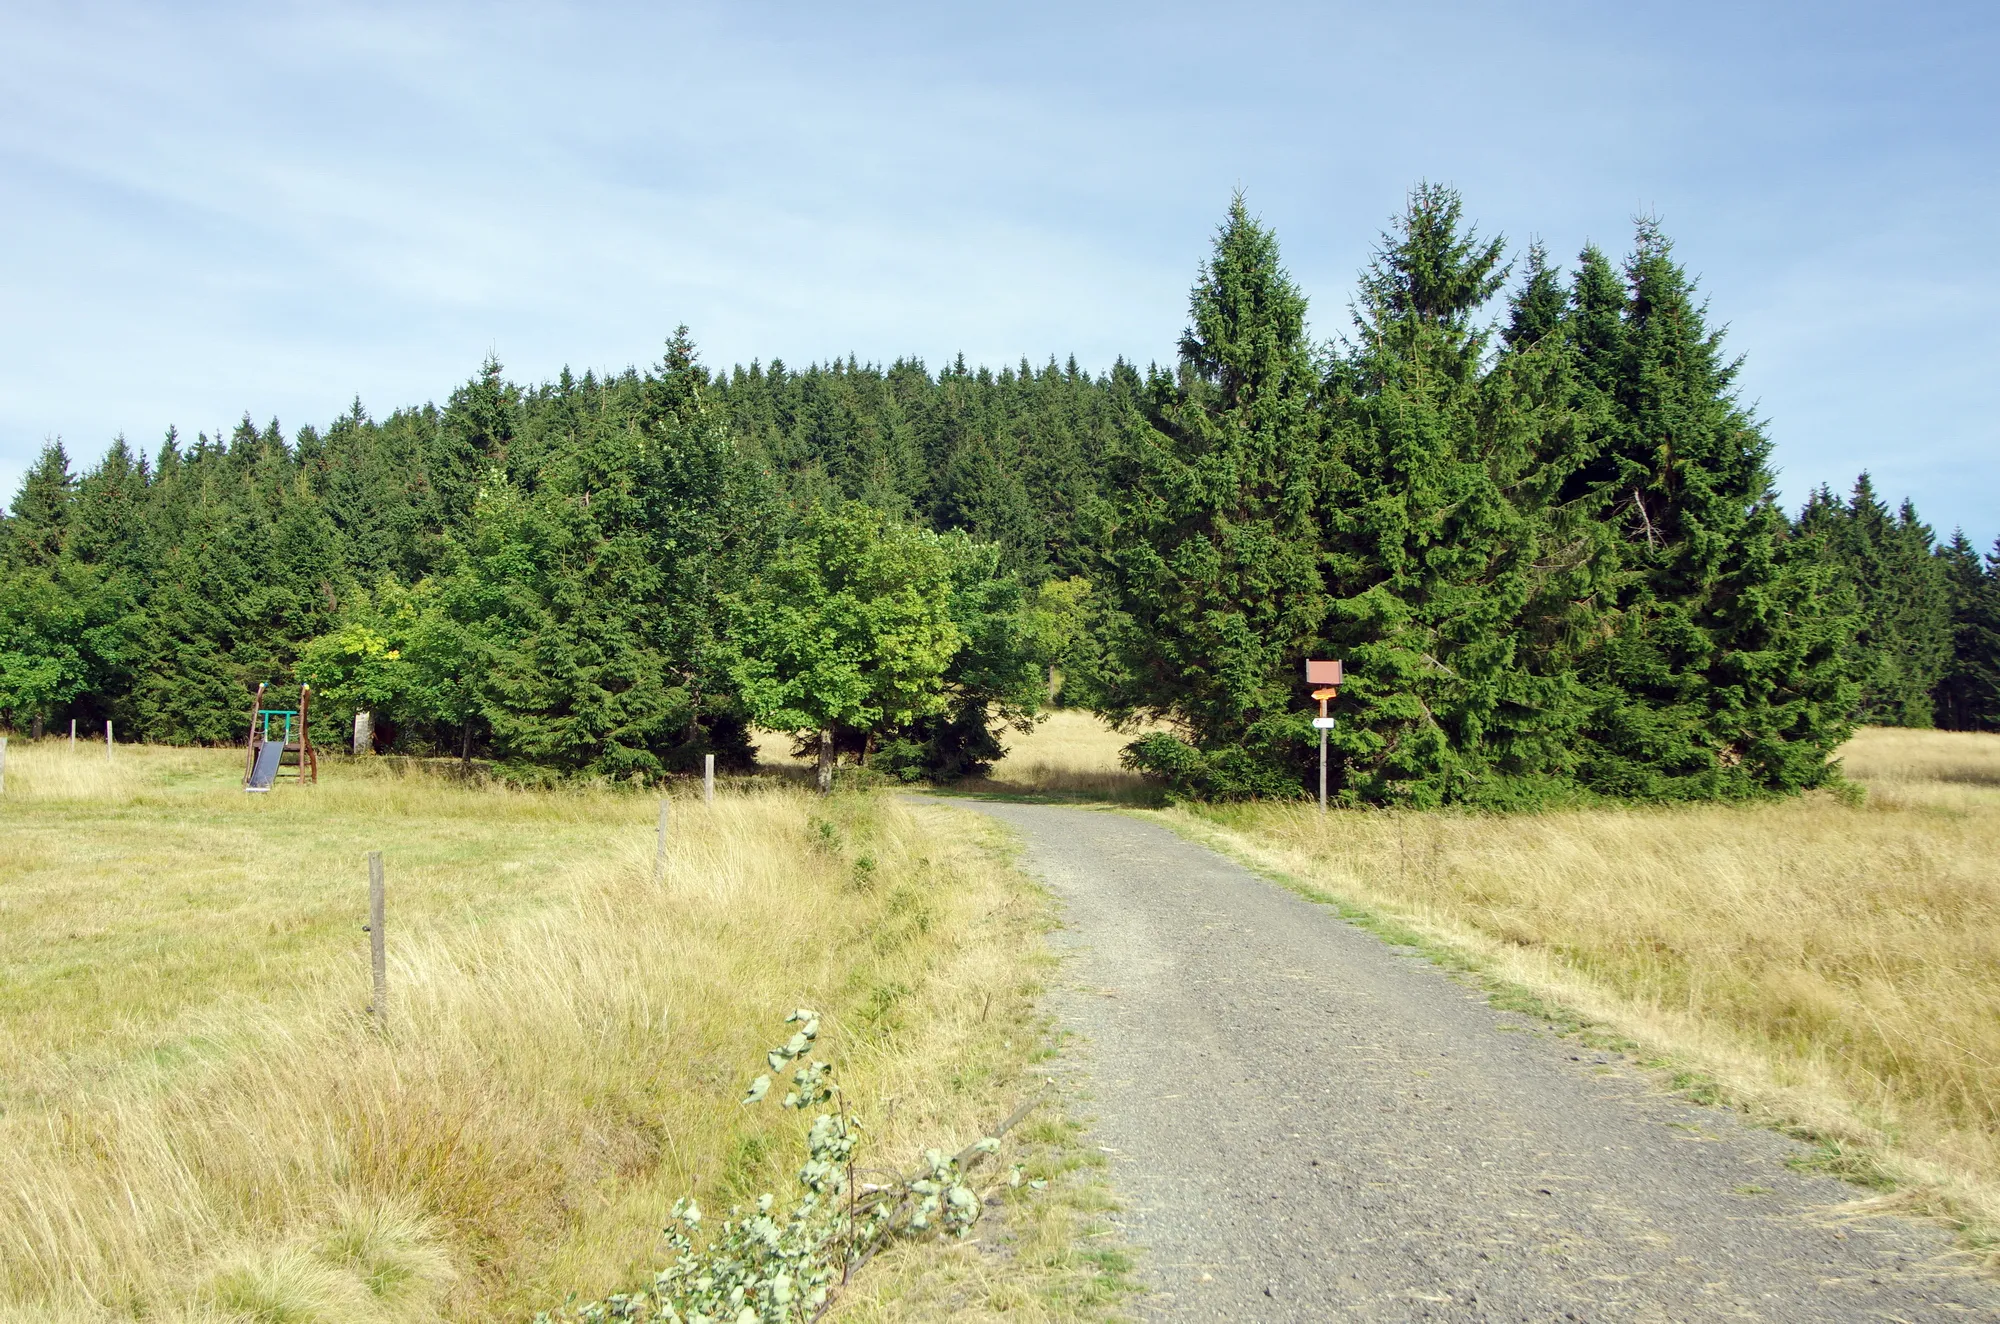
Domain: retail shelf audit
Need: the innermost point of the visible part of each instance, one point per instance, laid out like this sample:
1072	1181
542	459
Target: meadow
1829	963
1069	755
200	1121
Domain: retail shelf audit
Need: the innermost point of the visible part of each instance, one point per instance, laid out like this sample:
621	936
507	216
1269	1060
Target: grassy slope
1831	966
198	1122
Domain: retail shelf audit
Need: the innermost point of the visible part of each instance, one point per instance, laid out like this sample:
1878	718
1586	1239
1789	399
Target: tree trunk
825	760
465	751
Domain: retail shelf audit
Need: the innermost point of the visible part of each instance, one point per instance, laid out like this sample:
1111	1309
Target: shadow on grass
1122	795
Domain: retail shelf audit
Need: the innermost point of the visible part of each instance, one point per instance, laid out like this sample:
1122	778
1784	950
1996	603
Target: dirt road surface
1305	1123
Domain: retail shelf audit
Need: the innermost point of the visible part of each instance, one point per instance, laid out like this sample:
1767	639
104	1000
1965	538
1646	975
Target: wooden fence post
708	778
72	735
660	845
108	742
3	765
378	951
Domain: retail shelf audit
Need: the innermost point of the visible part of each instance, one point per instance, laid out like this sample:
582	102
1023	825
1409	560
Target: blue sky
274	208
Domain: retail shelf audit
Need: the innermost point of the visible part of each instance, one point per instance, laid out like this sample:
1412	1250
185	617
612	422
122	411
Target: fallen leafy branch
763	1267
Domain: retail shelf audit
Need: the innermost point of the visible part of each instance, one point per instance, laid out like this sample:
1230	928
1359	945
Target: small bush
1195	774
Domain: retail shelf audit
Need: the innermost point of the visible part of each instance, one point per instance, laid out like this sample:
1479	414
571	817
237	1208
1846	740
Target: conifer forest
1519	495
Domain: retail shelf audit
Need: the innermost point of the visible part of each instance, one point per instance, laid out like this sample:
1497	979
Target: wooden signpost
1325	676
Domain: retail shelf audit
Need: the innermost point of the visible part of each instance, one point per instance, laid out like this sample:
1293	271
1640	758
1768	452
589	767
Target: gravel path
1305	1123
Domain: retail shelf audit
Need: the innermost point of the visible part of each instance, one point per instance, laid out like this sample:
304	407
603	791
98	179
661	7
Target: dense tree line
1527	509
562	577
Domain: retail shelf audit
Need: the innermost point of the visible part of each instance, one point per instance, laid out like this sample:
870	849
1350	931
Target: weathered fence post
378	950
660	845
72	735
364	733
3	765
108	741
708	778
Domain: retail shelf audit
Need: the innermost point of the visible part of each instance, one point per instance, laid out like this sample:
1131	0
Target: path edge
1865	1163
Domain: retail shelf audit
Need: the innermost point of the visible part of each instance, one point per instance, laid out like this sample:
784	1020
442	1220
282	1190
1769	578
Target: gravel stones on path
1304	1123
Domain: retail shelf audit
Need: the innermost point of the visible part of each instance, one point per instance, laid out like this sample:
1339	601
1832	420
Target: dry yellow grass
1068	753
1832	965
198	1122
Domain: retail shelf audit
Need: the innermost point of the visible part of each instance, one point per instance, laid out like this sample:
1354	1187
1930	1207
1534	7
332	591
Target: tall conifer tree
1453	561
1968	697
1217	544
1721	674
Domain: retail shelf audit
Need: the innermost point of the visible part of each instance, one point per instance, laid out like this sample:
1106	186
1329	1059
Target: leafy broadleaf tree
998	678
398	653
848	623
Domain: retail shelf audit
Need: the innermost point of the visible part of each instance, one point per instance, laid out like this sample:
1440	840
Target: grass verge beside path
199	1122
1831	968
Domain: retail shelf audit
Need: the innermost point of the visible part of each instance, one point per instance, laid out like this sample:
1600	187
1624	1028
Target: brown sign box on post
1322	673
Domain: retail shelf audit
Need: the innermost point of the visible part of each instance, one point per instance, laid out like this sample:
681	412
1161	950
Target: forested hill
1522	502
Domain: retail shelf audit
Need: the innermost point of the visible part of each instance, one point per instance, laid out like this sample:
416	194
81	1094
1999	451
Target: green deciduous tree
848	623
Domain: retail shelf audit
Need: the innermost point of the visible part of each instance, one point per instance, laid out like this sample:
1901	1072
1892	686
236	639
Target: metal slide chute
274	733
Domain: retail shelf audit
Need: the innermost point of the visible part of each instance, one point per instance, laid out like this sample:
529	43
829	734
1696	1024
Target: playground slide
266	770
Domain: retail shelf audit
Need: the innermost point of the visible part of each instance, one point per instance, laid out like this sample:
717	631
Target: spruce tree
1720	673
1453	558
470	436
1968	695
587	589
1541	308
1216	547
1901	597
38	520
